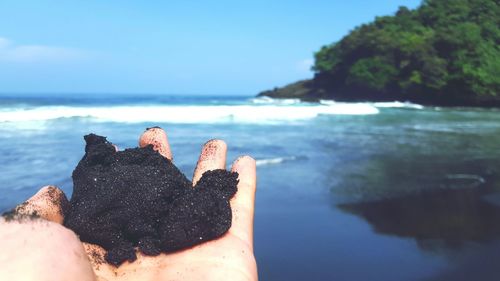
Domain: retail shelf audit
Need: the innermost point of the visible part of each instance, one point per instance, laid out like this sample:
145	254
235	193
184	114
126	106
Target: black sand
137	198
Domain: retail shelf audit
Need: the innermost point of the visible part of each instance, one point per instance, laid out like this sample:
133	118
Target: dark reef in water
137	198
439	218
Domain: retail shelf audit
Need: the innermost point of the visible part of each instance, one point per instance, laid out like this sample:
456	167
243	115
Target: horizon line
124	93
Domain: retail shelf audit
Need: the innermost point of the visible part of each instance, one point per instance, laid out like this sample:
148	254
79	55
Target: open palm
229	257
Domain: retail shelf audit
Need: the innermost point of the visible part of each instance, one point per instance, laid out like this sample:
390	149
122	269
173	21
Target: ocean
346	191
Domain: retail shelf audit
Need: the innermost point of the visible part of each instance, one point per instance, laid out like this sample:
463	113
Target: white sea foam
269	100
273	161
186	114
398	104
393	104
327	102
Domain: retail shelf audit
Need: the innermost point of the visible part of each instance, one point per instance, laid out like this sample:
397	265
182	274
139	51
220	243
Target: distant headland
445	52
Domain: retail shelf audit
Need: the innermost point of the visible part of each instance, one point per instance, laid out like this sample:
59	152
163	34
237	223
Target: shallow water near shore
365	191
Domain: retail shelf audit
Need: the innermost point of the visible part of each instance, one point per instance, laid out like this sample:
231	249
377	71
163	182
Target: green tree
444	48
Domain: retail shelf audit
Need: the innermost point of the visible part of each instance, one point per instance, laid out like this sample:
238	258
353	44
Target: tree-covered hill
445	52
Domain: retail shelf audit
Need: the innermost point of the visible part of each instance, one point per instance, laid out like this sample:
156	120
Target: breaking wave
398	104
392	104
268	100
185	114
274	161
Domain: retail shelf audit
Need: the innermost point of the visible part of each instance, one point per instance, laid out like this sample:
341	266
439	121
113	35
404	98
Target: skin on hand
37	249
229	257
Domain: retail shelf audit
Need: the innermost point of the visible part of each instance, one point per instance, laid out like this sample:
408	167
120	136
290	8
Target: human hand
45	250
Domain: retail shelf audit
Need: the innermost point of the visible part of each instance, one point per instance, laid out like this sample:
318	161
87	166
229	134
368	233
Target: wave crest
186	114
276	160
398	104
269	100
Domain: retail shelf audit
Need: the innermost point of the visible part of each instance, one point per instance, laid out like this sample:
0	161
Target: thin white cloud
4	42
305	65
11	52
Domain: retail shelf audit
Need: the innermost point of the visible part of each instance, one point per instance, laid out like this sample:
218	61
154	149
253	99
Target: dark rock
321	88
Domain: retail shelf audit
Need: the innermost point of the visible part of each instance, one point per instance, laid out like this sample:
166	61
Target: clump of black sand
138	198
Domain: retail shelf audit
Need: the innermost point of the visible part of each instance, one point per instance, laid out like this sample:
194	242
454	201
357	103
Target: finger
157	137
243	201
49	203
212	157
35	249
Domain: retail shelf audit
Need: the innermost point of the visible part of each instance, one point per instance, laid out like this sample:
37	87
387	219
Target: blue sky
173	47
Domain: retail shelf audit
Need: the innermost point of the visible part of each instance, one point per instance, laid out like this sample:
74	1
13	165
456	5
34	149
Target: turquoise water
363	191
